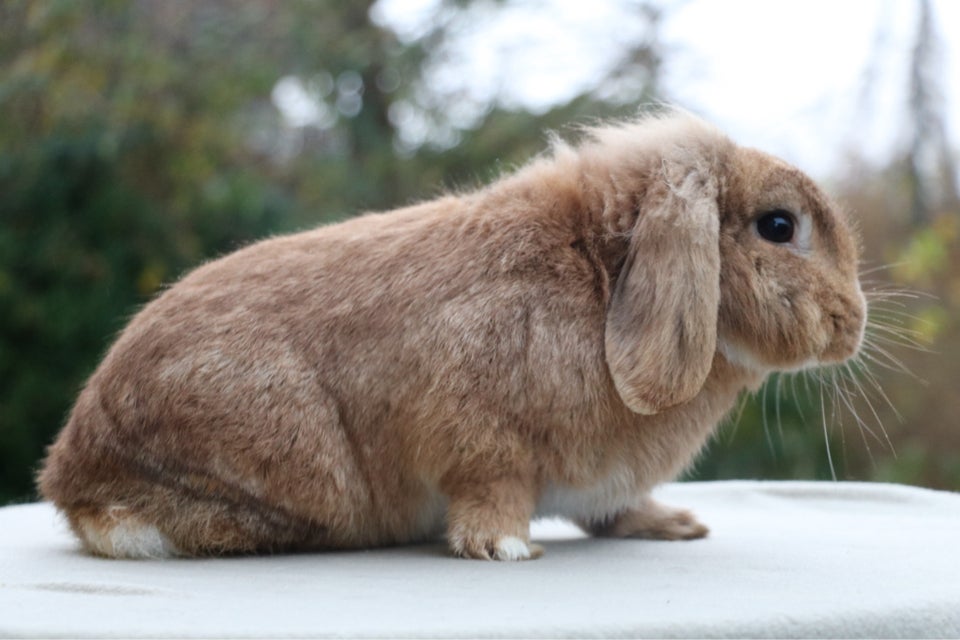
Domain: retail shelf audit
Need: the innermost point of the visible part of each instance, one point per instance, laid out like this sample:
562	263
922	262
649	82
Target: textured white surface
783	559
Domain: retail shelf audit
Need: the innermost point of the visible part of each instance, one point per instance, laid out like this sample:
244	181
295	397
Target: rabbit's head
732	251
790	295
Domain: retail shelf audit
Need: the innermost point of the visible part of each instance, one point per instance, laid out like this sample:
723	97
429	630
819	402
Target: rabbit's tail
135	506
116	532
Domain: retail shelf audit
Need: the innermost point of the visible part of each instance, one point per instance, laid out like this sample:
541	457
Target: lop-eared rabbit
556	343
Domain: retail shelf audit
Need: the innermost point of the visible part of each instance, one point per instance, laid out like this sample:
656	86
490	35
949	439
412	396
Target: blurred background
139	138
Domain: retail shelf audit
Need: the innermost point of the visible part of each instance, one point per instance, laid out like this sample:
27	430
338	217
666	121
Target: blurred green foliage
141	137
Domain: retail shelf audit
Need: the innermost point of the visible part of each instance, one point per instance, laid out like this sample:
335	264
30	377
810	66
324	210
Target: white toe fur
512	548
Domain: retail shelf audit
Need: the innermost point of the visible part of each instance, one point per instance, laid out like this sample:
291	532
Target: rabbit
558	342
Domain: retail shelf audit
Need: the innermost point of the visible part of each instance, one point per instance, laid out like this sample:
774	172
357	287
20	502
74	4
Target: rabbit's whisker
869	376
766	426
880	357
796	398
777	396
881	267
826	437
893	339
842	396
863	393
892	322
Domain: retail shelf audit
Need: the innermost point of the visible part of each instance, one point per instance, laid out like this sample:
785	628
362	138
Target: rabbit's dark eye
776	226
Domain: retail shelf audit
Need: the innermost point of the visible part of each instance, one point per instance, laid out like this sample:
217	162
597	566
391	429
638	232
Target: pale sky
792	76
786	76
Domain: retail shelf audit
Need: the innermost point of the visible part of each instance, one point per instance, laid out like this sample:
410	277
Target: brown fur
560	341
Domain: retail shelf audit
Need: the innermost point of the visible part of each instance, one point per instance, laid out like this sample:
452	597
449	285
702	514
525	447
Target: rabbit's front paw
490	519
484	546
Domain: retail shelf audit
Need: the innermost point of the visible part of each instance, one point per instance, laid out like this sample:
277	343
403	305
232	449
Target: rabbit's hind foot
651	520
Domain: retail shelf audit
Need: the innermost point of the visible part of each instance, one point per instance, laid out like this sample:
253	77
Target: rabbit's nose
848	319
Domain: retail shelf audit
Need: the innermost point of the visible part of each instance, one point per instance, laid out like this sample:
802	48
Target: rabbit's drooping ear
661	327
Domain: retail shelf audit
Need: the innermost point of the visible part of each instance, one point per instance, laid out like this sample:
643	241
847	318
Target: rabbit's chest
611	494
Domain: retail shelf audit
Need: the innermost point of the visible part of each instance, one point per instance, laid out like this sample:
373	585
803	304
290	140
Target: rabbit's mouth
745	359
742	357
844	346
843	336
847	330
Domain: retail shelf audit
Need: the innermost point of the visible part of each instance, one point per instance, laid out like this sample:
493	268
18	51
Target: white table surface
784	559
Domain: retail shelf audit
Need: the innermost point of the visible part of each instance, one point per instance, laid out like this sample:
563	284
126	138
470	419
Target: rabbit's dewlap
558	342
